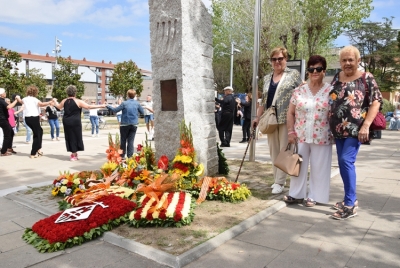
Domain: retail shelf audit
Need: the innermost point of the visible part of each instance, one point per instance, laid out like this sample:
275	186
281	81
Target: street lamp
57	48
233	50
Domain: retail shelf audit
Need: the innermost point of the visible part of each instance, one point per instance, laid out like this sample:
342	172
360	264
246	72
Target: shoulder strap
366	98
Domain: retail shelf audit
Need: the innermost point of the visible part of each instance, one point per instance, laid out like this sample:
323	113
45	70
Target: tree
66	74
9	76
303	27
325	20
38	79
126	76
379	51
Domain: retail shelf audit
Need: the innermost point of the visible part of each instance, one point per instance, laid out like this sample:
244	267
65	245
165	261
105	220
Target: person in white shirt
119	114
149	116
94	119
32	118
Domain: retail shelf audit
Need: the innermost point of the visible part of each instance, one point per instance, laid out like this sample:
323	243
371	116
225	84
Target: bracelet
292	132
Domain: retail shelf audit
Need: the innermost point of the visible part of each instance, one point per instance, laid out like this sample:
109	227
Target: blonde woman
278	85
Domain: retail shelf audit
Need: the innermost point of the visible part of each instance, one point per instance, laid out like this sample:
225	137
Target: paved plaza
293	236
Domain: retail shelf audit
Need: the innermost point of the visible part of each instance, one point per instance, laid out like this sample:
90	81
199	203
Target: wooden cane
253	134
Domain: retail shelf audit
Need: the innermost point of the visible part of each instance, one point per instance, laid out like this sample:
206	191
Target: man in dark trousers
228	104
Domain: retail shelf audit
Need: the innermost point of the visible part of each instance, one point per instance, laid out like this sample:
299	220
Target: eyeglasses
277	59
319	69
93	102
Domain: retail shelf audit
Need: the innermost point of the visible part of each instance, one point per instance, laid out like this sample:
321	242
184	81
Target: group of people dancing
71	120
316	115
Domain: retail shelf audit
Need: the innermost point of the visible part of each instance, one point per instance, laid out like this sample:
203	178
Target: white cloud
57	12
14	32
120	38
84	36
44	11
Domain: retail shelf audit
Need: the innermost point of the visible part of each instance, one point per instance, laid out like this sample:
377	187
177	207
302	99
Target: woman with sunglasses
278	88
355	100
307	123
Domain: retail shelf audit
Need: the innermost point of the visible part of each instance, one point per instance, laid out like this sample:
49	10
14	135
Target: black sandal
345	213
290	200
340	205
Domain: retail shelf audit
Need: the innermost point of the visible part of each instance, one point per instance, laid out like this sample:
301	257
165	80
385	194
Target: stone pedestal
183	80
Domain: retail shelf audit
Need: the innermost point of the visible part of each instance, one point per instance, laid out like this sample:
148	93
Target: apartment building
95	75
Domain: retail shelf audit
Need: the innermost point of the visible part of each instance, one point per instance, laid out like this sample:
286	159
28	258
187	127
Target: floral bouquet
219	188
68	184
177	212
184	162
48	236
145	157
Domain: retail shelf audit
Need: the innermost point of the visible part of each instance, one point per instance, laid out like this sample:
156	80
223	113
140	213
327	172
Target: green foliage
126	76
38	79
223	167
65	75
379	51
9	76
387	106
304	27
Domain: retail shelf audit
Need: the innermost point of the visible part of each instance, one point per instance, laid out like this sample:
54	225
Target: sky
109	30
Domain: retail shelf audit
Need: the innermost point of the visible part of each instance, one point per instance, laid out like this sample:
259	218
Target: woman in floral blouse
355	100
307	123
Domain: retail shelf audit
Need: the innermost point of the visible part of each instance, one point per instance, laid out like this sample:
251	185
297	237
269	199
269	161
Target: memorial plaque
169	95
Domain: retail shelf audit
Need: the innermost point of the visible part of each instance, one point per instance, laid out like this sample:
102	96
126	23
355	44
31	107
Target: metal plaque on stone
169	95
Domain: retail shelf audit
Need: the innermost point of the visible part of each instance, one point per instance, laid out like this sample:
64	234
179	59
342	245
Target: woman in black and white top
32	118
52	117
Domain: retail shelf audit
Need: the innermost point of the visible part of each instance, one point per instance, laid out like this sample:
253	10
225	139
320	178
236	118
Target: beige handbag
268	121
289	161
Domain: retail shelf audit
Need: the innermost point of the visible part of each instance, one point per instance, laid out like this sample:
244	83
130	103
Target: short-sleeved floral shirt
347	106
311	113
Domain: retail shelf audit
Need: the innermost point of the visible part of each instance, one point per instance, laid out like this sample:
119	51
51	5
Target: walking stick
253	134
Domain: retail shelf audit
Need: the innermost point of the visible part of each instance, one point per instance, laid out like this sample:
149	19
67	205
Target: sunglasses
277	59
93	102
319	69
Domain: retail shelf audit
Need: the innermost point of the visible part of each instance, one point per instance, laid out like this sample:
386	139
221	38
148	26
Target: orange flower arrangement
114	151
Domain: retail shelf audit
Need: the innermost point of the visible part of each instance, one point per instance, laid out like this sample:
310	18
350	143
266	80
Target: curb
196	252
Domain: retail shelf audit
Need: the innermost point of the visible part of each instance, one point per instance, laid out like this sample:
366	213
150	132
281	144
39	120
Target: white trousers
319	157
277	141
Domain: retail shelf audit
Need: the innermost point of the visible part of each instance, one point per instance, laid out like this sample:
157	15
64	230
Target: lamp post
57	48
233	50
256	57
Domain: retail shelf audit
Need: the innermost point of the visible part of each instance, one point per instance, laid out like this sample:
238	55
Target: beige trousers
277	141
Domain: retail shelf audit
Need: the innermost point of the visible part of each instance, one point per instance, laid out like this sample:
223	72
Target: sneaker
57	139
97	135
92	135
53	139
73	158
277	189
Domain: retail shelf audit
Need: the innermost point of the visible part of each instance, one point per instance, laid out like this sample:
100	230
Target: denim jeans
127	138
94	120
28	132
54	124
347	150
